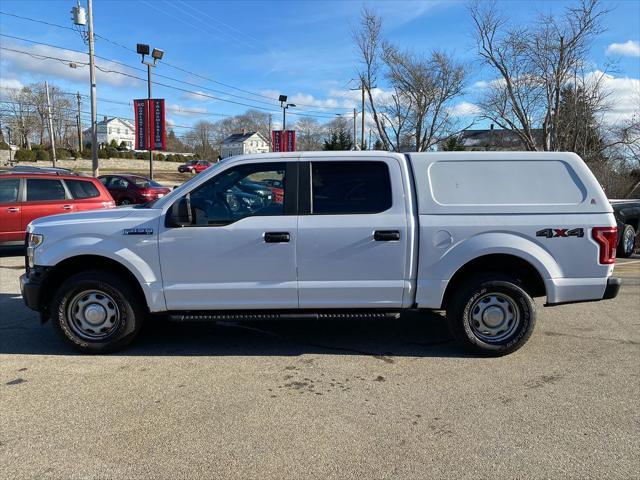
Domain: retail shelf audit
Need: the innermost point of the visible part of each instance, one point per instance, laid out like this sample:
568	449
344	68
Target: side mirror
179	215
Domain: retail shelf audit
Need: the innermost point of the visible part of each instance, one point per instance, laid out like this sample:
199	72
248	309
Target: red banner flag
150	124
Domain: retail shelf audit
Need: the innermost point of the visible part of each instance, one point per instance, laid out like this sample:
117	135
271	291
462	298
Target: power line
157	74
169	65
173	87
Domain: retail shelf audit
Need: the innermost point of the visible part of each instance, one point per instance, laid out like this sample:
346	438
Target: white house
113	128
243	143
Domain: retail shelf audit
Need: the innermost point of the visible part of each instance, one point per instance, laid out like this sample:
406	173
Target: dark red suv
128	189
25	196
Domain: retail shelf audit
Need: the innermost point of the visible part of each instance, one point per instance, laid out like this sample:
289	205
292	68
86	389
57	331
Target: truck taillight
607	239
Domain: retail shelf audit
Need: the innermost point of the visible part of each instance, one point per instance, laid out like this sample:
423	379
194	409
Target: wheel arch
528	275
76	264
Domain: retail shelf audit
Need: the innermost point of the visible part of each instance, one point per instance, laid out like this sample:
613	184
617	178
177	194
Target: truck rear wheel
491	315
97	312
627	243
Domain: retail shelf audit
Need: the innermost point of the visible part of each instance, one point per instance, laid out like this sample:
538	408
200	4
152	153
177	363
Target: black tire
119	294
503	293
627	243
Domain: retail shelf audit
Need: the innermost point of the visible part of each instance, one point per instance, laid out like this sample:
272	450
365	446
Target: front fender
140	258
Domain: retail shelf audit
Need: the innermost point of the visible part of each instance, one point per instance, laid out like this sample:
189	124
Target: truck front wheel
97	311
491	315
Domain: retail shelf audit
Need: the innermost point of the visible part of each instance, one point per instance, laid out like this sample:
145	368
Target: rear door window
42	189
81	189
339	188
9	188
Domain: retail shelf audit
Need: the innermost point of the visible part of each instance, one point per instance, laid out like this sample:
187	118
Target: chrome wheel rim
494	317
93	315
629	241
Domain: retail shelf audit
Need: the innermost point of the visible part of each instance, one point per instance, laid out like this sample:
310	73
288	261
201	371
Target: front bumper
31	287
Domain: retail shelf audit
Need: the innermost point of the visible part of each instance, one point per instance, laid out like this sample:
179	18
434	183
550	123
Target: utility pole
79	125
50	122
355	129
362	132
270	121
79	19
94	105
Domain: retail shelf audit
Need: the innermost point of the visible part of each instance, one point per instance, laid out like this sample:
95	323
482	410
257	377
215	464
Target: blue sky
301	48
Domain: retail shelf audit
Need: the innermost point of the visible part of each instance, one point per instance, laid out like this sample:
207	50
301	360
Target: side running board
255	316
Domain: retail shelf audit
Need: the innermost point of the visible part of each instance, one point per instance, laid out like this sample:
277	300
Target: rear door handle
67	207
386	235
276	237
13	209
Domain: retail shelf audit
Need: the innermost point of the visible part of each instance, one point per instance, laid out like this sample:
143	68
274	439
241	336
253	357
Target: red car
129	189
25	196
194	166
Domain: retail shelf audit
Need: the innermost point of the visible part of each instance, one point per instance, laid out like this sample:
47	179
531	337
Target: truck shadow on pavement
411	335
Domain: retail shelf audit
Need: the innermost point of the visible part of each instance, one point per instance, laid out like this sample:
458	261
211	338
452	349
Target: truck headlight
34	240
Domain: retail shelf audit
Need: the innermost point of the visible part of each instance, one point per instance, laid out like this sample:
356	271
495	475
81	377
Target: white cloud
180	110
170	122
627	49
48	67
9	85
623	96
480	84
198	96
464	109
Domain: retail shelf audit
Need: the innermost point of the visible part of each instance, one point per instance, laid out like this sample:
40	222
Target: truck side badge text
137	231
560	232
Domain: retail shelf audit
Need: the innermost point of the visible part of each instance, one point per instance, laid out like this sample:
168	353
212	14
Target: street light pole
149	97
284	106
156	54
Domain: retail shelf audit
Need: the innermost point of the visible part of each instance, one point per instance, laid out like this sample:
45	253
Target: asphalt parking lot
365	399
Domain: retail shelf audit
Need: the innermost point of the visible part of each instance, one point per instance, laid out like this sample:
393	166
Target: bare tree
308	134
533	64
368	39
429	84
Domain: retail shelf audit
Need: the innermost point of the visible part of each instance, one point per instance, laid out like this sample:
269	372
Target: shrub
142	155
111	152
159	157
129	155
24	155
113	143
4	145
102	153
62	153
86	153
42	155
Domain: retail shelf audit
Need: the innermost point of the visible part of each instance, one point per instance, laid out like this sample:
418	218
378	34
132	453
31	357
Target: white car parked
477	234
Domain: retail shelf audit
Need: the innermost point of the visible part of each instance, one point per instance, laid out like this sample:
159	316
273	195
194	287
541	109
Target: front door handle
386	235
13	209
276	237
67	207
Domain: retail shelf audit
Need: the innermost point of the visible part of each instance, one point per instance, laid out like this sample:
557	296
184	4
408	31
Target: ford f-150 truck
477	234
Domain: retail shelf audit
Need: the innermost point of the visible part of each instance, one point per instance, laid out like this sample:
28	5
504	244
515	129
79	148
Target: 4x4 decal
560	232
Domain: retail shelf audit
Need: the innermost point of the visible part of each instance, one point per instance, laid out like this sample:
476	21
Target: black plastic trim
613	288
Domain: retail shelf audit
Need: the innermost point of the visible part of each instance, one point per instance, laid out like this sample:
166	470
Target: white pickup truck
317	234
